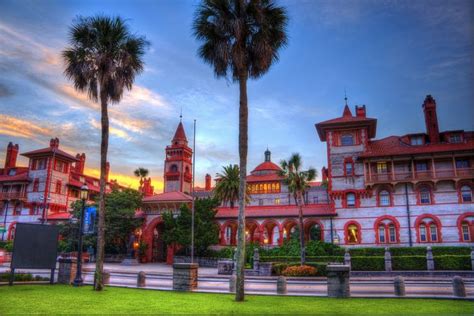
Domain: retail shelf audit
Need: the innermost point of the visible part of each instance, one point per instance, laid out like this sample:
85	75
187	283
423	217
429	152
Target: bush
408	263
450	262
8	246
373	263
299	271
277	268
297	259
361	252
25	277
458	251
408	251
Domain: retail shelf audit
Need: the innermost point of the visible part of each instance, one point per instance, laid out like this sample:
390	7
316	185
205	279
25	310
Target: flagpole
192	190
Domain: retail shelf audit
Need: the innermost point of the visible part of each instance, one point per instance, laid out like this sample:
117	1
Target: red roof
59	216
396	146
174	196
267	166
278	210
49	151
21	175
347	120
264	177
315	184
180	135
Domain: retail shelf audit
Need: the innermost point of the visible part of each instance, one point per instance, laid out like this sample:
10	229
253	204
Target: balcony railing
12	195
437	174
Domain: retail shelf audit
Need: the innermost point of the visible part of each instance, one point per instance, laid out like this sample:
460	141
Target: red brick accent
394	221
462	219
434	219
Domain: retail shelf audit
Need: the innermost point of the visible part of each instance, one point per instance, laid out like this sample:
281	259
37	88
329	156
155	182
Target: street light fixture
84	194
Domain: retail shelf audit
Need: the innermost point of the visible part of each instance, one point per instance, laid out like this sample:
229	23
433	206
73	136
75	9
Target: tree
177	230
141	173
297	182
227	186
241	39
103	60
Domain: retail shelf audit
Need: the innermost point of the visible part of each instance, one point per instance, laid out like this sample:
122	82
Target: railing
437	174
12	195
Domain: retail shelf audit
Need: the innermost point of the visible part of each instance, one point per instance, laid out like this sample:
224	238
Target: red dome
267	166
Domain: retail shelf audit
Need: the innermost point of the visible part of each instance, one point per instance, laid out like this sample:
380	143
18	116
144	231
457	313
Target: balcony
425	175
12	195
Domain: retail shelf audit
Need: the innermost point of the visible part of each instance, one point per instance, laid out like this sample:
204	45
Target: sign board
3	229
35	246
89	220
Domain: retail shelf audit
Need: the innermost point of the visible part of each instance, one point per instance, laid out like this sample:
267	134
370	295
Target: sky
386	54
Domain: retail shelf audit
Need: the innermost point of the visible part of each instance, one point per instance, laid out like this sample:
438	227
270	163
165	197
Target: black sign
35	246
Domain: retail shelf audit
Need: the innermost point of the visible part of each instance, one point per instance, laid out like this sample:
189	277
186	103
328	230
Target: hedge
408	251
4	277
297	259
373	263
362	252
278	268
450	262
458	251
409	263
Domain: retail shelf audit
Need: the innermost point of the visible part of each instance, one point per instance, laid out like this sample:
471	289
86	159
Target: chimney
54	143
360	111
12	155
324	173
107	170
208	182
146	188
81	163
431	119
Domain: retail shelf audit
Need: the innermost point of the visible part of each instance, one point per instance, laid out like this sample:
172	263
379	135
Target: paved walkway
155	268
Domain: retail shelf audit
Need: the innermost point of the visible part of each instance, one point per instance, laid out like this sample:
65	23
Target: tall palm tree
297	181
241	39
227	186
103	59
141	173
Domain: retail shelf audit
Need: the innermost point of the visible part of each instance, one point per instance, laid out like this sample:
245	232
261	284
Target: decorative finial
345	96
181	115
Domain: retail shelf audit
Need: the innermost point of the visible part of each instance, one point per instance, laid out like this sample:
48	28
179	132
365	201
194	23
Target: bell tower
178	163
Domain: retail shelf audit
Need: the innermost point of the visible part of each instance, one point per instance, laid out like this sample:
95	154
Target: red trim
350	161
459	187
378	223
470	224
359	232
434	220
387	188
10	228
356	198
147	236
419	187
310	222
233	233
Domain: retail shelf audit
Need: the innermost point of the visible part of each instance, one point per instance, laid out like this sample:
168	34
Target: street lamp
83	195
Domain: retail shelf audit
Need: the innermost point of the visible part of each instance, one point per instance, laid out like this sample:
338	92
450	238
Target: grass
61	299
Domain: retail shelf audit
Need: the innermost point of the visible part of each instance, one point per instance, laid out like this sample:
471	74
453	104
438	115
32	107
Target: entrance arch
153	237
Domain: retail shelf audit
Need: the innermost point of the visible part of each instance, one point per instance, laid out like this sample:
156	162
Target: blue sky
387	54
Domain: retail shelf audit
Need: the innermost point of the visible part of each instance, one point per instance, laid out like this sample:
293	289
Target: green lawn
59	299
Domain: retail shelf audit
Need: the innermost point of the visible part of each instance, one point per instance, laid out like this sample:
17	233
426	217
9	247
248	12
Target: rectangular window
315	200
36	185
465	232
423	233
350	199
392	235
434	232
425	197
421	166
349	170
347	140
455	138
382	234
416	140
58	186
382	167
462	163
260	202
277	201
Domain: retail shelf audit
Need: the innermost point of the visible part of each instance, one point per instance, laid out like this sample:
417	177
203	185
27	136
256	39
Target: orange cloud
13	126
124	179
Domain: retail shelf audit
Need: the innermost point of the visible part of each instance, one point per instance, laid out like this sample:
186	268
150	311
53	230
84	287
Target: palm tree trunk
299	201
243	148
99	267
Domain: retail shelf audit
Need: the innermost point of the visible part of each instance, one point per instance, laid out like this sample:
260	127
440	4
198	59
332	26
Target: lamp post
84	194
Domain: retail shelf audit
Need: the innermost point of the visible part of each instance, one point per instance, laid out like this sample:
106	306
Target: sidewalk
155	268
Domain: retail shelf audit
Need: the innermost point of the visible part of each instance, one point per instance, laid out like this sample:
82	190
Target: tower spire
181	115
345	96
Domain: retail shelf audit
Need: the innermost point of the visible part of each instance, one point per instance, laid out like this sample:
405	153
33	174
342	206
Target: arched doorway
158	244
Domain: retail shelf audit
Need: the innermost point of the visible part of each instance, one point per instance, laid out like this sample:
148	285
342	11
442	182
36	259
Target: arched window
425	195
466	194
382	233
466	231
428	229
384	198
275	235
174	168
386	229
350	199
228	235
347	140
352	233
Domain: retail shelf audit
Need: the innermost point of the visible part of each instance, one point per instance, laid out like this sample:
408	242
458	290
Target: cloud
17	127
5	91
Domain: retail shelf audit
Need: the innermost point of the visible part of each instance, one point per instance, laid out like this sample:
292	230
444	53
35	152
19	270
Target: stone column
338	280
67	270
347	258
399	286
141	279
106	277
281	285
256	259
429	259
185	276
472	258
459	290
388	260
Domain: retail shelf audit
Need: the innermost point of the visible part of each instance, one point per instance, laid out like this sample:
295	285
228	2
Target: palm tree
141	173
227	186
103	60
241	39
297	182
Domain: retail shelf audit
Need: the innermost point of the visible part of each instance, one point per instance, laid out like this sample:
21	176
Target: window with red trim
466	194
58	187
347	139
467	231
425	195
350	199
348	167
429	231
384	198
353	234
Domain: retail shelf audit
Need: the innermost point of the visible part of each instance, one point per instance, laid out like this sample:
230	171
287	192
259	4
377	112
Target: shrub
361	252
299	271
409	263
5	277
408	251
458	251
373	263
297	259
277	269
450	262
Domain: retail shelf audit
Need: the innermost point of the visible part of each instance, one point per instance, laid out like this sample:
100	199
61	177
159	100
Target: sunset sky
388	55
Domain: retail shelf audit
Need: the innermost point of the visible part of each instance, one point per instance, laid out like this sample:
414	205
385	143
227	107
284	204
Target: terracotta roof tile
49	150
277	210
267	166
174	196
